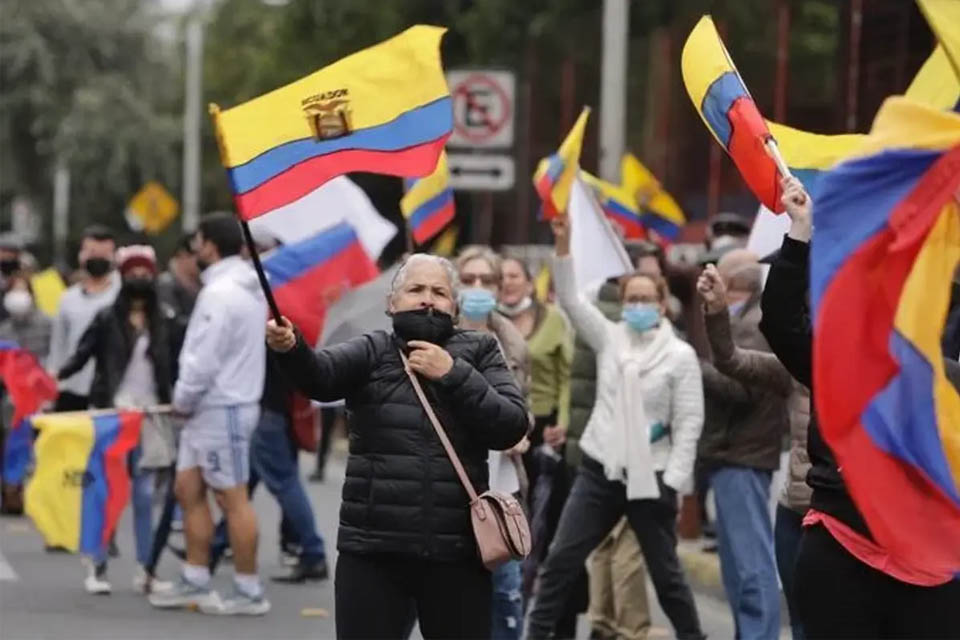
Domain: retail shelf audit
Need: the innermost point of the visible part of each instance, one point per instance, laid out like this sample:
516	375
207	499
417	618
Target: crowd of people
599	411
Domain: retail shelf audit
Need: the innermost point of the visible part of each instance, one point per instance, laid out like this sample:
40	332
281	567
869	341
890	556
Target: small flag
597	251
619	205
385	109
726	107
152	209
541	284
30	387
886	244
428	203
658	209
81	484
555	174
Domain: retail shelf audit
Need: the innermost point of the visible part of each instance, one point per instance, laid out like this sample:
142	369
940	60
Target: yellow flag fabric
555	174
446	242
54	496
648	191
944	18
48	288
936	84
541	285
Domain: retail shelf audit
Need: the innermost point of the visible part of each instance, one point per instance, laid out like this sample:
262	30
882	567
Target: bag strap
448	447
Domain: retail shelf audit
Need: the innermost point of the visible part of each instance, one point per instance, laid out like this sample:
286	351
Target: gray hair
400	277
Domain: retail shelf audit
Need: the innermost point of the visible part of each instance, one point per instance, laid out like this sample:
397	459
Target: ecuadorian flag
385	109
428	203
618	204
81	483
554	176
659	211
885	246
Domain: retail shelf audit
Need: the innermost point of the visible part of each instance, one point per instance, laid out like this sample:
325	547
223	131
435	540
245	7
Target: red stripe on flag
303	178
116	469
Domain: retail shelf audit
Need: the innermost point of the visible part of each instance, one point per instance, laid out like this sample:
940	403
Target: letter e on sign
483	108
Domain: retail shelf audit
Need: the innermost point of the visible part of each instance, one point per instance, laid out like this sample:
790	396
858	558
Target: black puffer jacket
110	339
401	494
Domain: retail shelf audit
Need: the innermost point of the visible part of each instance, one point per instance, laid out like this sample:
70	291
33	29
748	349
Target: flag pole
261	275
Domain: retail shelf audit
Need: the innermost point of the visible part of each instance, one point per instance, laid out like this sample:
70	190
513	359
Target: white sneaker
239	604
96	586
184	595
147	584
96	581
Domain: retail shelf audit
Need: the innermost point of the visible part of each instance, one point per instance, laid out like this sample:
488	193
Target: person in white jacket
218	391
639	445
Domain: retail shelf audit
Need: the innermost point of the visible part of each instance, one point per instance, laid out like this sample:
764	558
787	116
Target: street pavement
42	596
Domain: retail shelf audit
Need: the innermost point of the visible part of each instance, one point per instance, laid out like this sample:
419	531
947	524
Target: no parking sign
483	108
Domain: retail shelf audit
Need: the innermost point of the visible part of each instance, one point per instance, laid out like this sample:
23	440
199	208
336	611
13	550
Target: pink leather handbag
499	523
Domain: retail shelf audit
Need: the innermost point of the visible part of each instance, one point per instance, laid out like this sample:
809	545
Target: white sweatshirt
224	354
672	393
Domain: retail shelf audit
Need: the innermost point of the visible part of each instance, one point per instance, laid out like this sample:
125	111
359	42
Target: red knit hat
137	255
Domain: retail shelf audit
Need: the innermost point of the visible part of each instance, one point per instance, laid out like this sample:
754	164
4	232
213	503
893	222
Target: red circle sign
473	100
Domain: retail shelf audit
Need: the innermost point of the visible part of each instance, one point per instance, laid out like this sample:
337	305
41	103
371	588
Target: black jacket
401	494
787	327
110	339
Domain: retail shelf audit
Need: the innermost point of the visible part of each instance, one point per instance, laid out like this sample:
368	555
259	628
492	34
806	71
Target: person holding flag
134	343
649	385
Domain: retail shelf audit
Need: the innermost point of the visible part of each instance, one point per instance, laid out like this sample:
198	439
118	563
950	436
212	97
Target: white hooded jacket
224	357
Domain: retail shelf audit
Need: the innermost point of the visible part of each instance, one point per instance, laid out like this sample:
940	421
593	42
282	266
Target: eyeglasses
486	280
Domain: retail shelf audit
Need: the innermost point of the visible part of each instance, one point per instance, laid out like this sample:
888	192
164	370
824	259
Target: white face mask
18	302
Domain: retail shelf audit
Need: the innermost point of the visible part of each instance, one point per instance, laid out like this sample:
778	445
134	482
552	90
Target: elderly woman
405	541
639	445
481	276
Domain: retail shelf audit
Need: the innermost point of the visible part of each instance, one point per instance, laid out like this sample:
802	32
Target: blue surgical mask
476	303
642	316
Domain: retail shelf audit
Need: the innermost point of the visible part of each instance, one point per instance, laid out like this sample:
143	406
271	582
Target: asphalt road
42	596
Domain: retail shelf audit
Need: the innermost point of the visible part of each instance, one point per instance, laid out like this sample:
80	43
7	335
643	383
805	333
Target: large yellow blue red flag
428	203
81	484
885	246
659	210
555	174
385	109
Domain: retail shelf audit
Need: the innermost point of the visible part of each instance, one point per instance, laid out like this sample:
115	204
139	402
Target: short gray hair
400	277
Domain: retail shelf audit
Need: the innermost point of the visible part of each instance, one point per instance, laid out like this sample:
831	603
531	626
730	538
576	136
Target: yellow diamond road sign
152	209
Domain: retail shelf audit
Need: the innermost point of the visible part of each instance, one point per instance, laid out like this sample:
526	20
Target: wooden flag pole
261	275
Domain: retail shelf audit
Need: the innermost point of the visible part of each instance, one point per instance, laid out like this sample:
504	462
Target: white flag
597	250
336	201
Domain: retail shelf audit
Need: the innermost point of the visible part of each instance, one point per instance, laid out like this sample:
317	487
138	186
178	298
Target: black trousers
67	401
840	597
594	507
380	597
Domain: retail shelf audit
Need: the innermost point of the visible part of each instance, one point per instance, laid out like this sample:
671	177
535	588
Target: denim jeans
141	500
593	508
507	611
745	542
787	532
273	461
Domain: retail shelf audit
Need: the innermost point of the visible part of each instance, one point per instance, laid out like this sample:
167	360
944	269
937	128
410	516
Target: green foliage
86	82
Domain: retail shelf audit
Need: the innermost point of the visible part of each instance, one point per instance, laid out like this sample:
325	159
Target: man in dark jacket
405	539
738	452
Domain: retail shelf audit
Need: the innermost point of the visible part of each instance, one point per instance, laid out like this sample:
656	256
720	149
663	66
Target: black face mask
142	288
9	267
428	325
97	267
